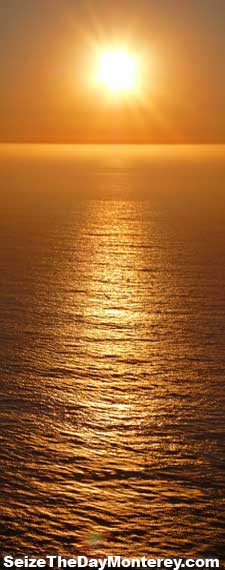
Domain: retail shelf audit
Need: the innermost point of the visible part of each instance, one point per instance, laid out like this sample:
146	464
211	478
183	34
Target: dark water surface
112	349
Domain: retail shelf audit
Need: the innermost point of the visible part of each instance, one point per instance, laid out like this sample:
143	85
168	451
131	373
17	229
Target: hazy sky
47	59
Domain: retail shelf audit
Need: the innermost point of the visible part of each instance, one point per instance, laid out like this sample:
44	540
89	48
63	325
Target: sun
118	70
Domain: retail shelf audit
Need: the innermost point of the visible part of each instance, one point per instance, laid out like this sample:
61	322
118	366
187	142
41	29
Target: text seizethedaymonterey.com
57	561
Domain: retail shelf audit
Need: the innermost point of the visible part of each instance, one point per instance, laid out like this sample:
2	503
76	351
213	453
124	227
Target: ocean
112	350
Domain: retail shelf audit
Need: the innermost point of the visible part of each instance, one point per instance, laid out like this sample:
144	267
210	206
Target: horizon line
166	143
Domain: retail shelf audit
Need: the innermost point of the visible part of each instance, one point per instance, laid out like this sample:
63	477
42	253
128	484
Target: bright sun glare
118	70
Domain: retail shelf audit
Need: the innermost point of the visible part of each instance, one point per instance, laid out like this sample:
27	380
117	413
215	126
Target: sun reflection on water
112	394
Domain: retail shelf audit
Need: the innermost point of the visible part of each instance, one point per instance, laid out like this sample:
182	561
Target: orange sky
48	53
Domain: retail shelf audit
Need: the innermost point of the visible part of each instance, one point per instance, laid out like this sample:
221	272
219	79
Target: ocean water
112	350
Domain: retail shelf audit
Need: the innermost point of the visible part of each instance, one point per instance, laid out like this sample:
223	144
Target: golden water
112	350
